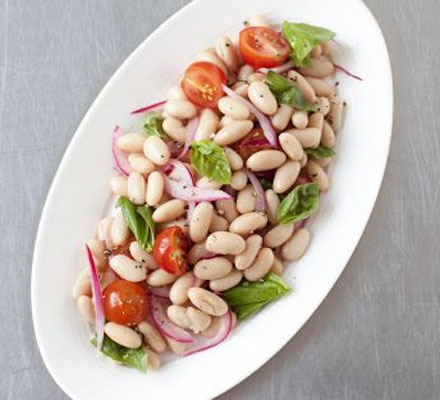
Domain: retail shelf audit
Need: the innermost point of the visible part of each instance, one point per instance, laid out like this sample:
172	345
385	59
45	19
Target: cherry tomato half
170	250
263	47
251	143
202	84
125	302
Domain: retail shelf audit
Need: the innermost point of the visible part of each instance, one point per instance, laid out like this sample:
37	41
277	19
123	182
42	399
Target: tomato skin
253	142
170	250
202	84
125	303
263	47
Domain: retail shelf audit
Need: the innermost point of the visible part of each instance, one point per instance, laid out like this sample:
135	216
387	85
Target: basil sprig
153	125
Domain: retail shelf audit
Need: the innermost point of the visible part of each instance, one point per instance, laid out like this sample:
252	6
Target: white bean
286	176
177	348
248	223
179	290
176	93
86	308
207	301
316	51
122	335
200	221
235	161
265	160
136	188
227	282
131	142
278	235
247	257
206	183
175	129
153	359
321	87
128	269
233	132
104	229
152	337
118	185
218	224
258	20
277	266
233	108
199	320
244	72
300	119
197	252
241	88
208	125
156	150
213	328
177	314
303	161
211	57
261	266
323	105
318	175
212	268
296	246
225	121
226	51
316	121
140	164
335	115
97	248
226	208
141	256
291	146
155	188
323	162
119	230
309	137
272	204
303	85
180	109
160	277
328	138
246	200
82	286
281	118
319	68
262	98
239	180
170	210
255	77
225	243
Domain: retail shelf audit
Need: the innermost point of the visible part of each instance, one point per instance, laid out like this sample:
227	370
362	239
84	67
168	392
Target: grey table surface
376	334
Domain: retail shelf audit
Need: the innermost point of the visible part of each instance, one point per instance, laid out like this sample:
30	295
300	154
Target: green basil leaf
153	125
320	152
140	221
136	358
210	160
286	92
299	204
302	38
249	297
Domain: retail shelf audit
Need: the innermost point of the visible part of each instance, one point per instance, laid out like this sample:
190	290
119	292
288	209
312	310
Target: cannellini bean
107	278
207	301
97	248
265	160
278	235
281	118
241	88
321	87
318	175
248	223
119	230
86	308
175	129
277	266
227	282
247	257
233	132
296	246
226	51
316	121
334	117
326	47
233	108
176	93
323	105
328	138
319	68
323	162
303	85
160	277
309	137
170	210
225	243
177	314
235	161
104	229
213	328
152	337
291	146
211	57
218	224
225	121
244	72
200	221
177	348
179	290
180	109
272	204
255	77
153	359
155	188
258	20
227	209
212	268
136	188
206	183
140	164
286	176
262	98
156	150
261	266
316	51
128	269
123	335
300	119
303	161
131	142
246	200
141	256
82	286
118	185
199	320
197	252
239	180
208	125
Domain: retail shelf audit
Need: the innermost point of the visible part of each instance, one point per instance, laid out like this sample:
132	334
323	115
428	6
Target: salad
212	194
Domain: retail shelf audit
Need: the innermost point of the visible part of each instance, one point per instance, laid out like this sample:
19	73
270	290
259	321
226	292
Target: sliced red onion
164	324
183	191
121	162
182	170
161	292
202	343
149	108
259	191
279	70
190	133
97	300
347	72
265	123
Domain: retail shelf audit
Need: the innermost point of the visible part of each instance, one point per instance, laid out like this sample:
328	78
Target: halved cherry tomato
125	302
202	84
263	47
170	250
251	143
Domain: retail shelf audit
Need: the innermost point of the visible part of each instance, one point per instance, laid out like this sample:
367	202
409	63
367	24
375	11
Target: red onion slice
280	69
163	323
183	191
149	108
347	72
207	343
266	125
190	133
161	292
259	191
97	300
121	162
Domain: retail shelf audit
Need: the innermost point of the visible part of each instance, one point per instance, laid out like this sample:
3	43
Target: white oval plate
75	201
